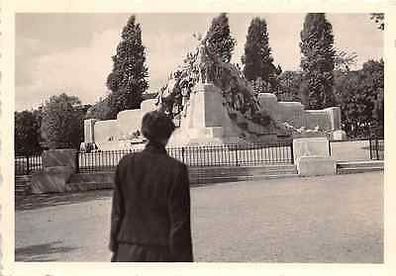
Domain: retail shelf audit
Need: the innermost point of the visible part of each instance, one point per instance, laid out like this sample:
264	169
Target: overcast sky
71	53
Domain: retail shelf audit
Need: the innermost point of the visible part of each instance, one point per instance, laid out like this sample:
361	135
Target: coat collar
154	147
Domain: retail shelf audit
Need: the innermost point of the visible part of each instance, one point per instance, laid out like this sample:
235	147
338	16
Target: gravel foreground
331	219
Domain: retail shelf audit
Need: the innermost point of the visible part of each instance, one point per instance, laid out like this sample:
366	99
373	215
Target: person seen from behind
150	217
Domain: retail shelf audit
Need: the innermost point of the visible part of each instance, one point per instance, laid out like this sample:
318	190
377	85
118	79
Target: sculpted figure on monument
202	66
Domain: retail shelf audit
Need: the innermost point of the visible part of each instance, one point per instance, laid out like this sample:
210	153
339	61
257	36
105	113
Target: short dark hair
157	126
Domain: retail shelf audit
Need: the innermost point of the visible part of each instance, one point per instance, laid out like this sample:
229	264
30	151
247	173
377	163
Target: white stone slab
314	146
316	165
338	135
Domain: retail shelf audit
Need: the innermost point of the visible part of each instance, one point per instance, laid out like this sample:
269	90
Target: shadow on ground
41	252
31	202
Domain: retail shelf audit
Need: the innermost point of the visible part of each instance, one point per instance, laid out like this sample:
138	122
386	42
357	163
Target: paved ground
318	219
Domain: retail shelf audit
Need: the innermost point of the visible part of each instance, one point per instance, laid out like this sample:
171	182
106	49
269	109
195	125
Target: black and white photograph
196	137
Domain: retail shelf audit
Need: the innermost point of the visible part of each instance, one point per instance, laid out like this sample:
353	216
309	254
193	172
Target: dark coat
151	203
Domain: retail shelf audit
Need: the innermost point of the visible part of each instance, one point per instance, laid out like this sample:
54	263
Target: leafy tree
127	81
379	19
27	133
62	122
344	60
101	110
257	59
289	86
361	96
317	61
219	39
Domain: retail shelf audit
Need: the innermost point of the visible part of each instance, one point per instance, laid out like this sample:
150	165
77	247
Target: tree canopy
361	96
62	122
257	59
379	19
317	61
219	39
127	81
27	132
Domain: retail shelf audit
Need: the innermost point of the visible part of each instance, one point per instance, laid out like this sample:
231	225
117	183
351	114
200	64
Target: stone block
51	180
316	165
269	103
338	135
61	158
315	146
89	127
317	118
128	122
334	116
291	112
105	131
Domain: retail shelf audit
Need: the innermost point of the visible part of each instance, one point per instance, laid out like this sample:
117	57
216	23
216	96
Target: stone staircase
202	175
206	175
346	167
22	184
90	181
198	176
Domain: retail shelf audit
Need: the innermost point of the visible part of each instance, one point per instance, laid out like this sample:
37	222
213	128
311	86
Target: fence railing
25	165
357	149
194	156
199	156
376	148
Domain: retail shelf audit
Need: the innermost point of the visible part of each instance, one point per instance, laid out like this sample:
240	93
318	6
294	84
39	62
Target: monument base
51	180
316	166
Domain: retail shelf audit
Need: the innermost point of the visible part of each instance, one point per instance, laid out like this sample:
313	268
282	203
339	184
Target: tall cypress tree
317	61
257	59
127	81
219	39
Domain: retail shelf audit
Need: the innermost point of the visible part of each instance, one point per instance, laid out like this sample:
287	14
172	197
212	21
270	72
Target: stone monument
211	102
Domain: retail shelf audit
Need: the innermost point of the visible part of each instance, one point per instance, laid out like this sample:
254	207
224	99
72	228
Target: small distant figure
88	147
150	218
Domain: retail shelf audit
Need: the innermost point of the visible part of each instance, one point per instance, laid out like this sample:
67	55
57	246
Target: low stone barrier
312	157
58	166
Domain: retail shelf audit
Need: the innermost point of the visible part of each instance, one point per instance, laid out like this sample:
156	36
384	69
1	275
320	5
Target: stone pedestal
51	180
315	146
206	107
312	156
59	165
316	165
338	135
334	114
60	158
206	119
89	127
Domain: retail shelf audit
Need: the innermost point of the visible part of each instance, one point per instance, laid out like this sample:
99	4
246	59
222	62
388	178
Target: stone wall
105	131
207	120
294	114
115	134
128	122
317	118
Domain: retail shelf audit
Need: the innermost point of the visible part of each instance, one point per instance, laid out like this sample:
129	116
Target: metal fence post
182	150
27	165
376	148
370	148
329	148
292	152
236	155
77	163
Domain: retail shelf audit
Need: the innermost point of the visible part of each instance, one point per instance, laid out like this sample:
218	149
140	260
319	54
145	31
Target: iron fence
357	149
376	148
25	165
199	156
